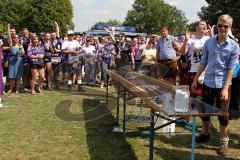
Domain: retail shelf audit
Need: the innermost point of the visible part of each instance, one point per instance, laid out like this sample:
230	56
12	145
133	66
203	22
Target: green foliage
151	15
37	15
2	28
216	8
192	26
110	22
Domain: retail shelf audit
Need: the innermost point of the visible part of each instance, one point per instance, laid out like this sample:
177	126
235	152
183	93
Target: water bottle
181	98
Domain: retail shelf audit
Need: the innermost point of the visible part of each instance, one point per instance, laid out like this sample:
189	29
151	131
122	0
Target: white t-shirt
195	51
89	52
71	46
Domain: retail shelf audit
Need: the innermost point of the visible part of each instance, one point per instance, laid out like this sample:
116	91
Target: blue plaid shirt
218	59
165	48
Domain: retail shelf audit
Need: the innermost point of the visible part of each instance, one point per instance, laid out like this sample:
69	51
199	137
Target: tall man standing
219	58
166	55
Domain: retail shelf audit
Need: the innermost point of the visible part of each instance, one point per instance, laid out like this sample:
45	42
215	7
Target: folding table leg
124	110
151	146
107	90
118	105
193	137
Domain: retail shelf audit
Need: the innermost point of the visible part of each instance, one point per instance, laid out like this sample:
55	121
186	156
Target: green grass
64	126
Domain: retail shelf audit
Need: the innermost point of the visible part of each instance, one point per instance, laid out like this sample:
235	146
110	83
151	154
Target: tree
37	15
110	22
216	8
151	15
192	26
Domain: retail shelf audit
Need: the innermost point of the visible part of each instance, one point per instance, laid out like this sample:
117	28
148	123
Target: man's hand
41	56
8	26
187	33
209	29
75	52
133	67
107	30
224	94
194	86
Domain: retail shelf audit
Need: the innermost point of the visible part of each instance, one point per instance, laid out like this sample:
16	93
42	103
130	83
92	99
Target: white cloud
82	2
88	12
189	7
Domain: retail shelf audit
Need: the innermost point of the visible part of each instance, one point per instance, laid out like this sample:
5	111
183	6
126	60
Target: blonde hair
226	18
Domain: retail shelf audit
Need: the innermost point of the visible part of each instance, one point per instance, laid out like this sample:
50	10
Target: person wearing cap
71	48
218	60
154	39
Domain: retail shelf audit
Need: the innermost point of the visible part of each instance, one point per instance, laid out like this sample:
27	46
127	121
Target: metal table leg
151	136
118	104
124	110
107	90
193	137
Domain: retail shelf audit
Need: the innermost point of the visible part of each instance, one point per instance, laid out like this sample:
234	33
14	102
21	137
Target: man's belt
166	60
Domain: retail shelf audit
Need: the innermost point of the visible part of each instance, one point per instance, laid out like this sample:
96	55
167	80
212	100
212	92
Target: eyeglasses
220	26
15	37
120	36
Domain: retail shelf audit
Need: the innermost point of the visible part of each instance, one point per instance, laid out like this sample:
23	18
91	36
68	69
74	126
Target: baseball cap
70	32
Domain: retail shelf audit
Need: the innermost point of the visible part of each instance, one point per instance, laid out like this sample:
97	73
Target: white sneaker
117	129
79	81
69	82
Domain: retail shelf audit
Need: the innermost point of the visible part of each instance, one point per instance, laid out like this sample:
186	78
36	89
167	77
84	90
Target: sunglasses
221	26
15	37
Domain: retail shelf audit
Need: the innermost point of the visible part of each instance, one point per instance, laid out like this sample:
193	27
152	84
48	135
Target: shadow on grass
102	143
166	154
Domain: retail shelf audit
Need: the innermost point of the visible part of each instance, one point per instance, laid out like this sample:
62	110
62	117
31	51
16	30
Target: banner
117	28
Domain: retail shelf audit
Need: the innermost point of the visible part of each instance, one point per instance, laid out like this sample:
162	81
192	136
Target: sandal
33	93
39	91
9	91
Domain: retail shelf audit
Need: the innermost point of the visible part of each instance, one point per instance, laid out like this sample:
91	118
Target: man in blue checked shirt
219	60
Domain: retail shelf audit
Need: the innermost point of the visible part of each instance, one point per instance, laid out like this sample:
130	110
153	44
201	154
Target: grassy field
62	126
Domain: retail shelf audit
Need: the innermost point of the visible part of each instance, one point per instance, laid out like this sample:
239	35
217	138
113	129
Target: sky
89	12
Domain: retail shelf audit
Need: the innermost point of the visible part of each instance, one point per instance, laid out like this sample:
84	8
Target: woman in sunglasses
218	60
15	61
